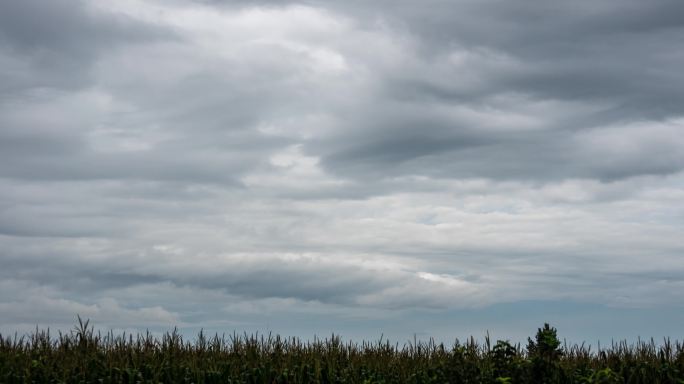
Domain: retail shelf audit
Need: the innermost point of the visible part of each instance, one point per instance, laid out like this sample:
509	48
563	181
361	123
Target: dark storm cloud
54	43
620	59
63	27
257	278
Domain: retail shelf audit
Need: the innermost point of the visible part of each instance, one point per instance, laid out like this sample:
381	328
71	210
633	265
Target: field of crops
84	356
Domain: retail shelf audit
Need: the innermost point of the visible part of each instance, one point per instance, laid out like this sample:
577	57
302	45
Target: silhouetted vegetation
83	356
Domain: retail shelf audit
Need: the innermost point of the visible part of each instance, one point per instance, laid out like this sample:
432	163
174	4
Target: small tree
505	359
545	353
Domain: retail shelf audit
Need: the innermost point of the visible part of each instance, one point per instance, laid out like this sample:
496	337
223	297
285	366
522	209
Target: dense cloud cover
362	167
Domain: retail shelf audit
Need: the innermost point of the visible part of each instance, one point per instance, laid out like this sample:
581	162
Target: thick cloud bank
306	166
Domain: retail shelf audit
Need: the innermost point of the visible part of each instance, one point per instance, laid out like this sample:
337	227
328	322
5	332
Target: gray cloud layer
216	162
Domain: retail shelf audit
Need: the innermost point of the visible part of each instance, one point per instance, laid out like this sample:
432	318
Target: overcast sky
436	168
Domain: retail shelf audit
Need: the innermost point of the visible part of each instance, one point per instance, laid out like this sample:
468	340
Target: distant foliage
83	356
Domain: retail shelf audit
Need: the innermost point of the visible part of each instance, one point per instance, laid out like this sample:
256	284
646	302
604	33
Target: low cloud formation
281	164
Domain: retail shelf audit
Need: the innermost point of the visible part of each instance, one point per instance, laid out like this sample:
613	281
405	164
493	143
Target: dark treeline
84	356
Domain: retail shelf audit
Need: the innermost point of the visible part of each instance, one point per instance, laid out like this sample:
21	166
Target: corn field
85	356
